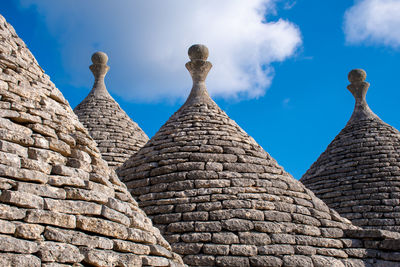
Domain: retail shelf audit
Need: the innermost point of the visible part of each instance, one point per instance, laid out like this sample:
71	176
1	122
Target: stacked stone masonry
358	175
60	204
118	137
221	200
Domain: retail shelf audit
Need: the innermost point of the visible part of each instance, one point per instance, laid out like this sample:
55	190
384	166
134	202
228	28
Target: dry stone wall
60	204
118	137
221	200
358	175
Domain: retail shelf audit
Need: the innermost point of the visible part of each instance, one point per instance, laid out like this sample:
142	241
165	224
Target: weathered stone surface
297	261
11	213
154	261
252	238
115	216
232	261
11	260
86	195
59	252
265	261
11	244
126	246
277	250
200	260
141	236
225	238
20	199
216	249
52	218
29	231
196	237
42	190
243	250
73	206
109	258
77	238
7	227
237	225
321	261
103	227
187	248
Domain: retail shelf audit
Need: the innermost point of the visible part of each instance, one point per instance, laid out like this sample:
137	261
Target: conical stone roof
117	135
359	173
60	204
221	200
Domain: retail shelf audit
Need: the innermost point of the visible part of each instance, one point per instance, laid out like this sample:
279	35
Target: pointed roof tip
198	66
99	57
359	88
357	75
99	69
198	52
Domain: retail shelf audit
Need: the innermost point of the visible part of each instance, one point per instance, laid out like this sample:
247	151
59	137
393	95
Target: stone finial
99	69
359	87
198	67
198	52
100	58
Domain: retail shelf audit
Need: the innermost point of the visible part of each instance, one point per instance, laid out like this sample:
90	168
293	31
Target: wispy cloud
290	4
286	103
147	43
373	22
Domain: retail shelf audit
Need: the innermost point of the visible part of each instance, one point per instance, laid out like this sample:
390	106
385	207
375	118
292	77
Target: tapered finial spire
99	69
198	67
359	87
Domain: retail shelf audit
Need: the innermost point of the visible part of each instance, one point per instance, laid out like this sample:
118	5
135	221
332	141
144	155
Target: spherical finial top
198	52
357	75
99	58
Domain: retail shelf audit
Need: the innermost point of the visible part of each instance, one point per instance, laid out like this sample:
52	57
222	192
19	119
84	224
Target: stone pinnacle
359	87
99	69
198	67
198	52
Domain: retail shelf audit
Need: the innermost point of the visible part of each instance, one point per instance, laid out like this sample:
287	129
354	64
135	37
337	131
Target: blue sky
280	67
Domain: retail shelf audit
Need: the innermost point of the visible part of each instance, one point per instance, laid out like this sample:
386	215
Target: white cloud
147	43
373	22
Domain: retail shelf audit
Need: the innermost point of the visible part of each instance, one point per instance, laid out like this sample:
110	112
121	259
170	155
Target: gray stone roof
221	200
116	134
60	204
359	173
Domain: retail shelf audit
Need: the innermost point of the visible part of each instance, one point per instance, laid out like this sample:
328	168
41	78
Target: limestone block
51	218
59	252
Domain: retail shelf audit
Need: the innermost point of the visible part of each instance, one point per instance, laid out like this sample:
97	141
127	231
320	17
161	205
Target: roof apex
359	87
198	66
99	69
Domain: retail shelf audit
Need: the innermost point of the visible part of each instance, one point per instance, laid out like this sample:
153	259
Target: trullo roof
358	175
221	200
60	203
118	137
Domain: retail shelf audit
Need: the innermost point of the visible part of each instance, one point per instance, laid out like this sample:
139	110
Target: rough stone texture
221	200
60	204
117	135
358	175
